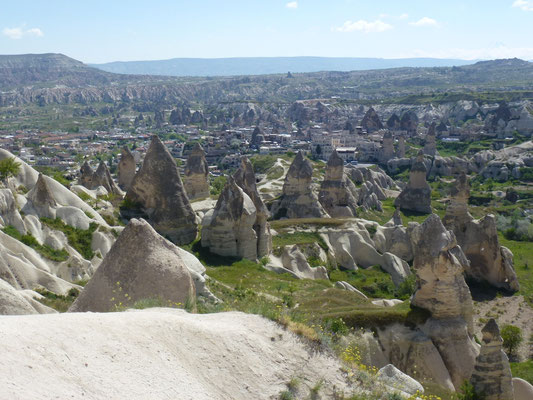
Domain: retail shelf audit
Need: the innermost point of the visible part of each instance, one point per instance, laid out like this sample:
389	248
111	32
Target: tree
8	167
512	337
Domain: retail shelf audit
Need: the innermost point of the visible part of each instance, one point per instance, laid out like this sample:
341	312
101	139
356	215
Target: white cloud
364	26
20	32
526	5
35	32
292	4
424	21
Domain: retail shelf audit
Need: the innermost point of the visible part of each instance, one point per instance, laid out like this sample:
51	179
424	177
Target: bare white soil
156	354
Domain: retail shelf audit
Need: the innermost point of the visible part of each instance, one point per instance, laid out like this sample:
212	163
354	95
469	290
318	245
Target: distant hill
57	69
266	65
54	78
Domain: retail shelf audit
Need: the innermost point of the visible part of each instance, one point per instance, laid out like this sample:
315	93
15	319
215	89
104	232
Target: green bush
512	337
80	239
217	185
262	163
30	241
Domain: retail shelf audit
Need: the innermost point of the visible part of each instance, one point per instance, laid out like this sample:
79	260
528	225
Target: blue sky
101	31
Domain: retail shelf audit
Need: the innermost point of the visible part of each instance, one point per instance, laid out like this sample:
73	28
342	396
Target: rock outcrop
351	247
371	121
387	150
229	229
9	213
297	199
41	199
416	196
257	137
245	179
126	168
295	262
394	238
196	174
141	265
439	264
489	261
337	191
86	175
492	373
101	177
430	146
158	191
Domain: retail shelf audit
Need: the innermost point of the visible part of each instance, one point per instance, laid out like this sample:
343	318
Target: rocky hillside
53	78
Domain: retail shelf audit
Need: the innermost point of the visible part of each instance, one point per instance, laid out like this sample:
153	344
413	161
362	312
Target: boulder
392	377
337	191
413	352
295	262
346	286
478	239
9	214
297	199
416	196
492	373
196	174
41	201
141	265
158	191
228	230
523	390
245	178
441	289
352	248
126	168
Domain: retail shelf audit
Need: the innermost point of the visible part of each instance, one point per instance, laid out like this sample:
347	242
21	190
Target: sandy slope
154	354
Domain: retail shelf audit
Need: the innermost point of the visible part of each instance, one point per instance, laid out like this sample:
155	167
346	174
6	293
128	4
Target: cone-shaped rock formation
126	168
439	264
196	174
158	190
417	194
141	265
489	261
297	199
245	178
229	229
492	372
337	191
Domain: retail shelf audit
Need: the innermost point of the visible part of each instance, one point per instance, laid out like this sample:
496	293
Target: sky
98	31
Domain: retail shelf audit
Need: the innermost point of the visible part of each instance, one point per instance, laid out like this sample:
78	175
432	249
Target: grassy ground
523	370
80	239
44	250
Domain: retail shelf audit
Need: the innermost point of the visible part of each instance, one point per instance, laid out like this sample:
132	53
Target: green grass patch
286	239
262	163
523	370
79	239
58	302
523	265
44	250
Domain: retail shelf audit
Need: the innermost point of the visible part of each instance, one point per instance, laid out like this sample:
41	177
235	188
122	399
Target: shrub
8	167
80	239
217	185
30	241
512	337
